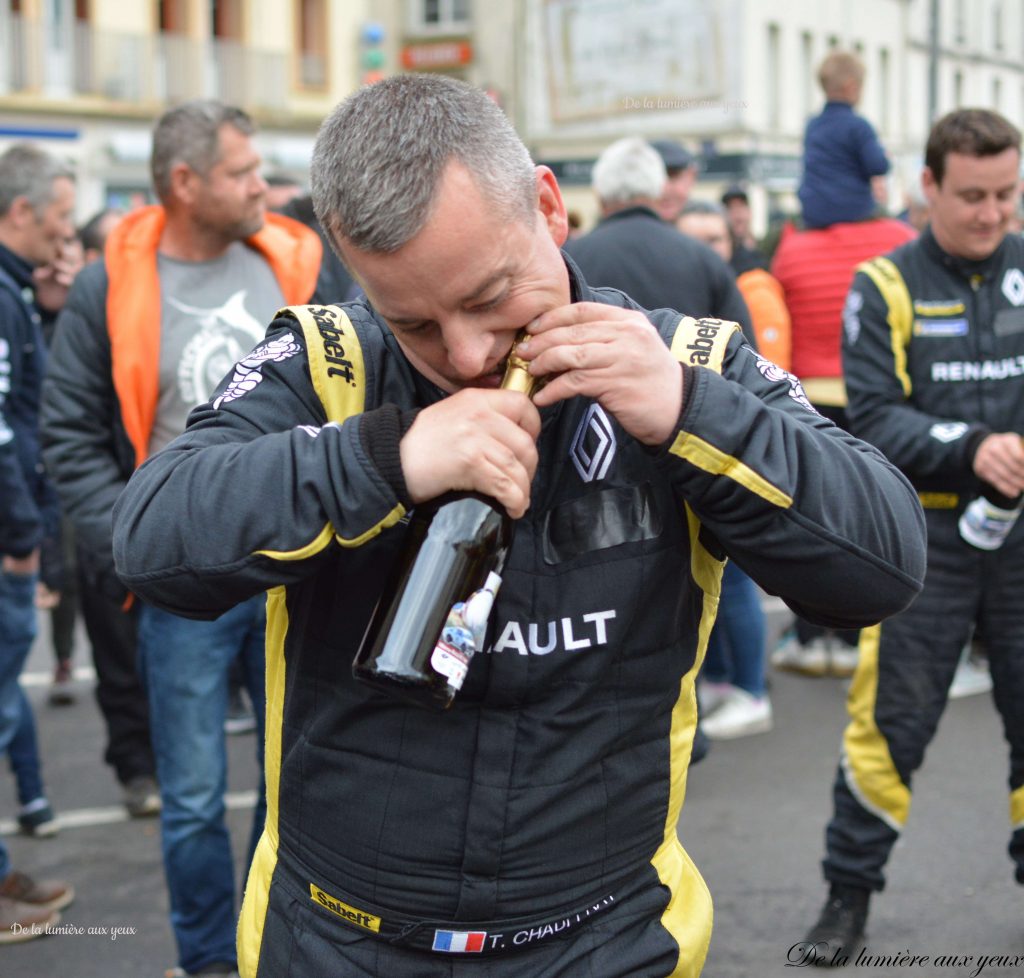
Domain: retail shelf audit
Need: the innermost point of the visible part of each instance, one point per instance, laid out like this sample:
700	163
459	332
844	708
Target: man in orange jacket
145	336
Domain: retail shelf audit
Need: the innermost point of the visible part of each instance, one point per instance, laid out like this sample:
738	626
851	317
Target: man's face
230	199
971	209
676	193
709	228
44	232
737	210
456	294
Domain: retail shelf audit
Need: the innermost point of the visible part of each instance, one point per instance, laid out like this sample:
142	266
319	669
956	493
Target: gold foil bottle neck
517	373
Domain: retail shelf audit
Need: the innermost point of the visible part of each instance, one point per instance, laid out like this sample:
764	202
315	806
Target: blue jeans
23	753
184	665
736	647
17	632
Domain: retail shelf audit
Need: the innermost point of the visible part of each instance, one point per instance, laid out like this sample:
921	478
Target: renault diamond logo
1013	286
593	445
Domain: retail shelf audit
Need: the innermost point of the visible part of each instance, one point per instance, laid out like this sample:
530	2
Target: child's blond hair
837	70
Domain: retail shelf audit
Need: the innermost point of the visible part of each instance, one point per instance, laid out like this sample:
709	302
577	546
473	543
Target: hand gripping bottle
431	618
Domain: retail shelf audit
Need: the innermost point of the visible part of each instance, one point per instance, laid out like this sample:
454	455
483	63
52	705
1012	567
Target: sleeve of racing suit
877	388
811	513
254	492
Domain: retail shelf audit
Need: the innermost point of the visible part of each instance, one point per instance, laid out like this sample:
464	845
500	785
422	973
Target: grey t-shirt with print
211	314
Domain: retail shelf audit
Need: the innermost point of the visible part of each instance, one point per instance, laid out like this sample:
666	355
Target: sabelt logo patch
340	909
703	343
334	339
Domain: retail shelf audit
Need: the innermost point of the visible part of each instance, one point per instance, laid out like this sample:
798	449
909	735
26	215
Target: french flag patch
459	941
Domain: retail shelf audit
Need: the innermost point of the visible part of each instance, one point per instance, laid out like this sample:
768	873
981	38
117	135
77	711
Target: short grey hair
631	169
380	156
190	133
28	171
703	207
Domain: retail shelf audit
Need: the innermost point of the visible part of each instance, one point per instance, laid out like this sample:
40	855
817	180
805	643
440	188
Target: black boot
839	931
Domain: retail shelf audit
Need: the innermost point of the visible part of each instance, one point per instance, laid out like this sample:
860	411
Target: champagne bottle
987	520
431	618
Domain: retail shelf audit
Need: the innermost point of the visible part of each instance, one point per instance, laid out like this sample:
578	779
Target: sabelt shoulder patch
702	342
335	358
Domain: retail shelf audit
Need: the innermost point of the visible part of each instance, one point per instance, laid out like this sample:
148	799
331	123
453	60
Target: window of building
997	26
960	22
774	67
884	116
439	16
226	19
997	94
312	40
958	89
807	71
172	16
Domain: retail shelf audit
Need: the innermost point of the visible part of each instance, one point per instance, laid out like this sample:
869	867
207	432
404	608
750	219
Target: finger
574	383
565	357
518	408
576	313
507	485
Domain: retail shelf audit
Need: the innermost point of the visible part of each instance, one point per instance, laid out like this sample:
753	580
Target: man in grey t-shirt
122	382
211	314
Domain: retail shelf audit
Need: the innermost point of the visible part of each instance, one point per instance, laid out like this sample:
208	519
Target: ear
551	206
929	184
20	213
184	183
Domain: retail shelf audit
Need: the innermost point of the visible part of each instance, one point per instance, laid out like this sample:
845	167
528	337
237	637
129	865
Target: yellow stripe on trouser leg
257	890
688	916
867	763
1017	808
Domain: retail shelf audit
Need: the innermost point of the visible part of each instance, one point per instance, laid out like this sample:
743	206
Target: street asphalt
753	822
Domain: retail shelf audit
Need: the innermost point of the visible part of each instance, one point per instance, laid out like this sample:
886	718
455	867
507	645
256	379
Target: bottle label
463	633
986	526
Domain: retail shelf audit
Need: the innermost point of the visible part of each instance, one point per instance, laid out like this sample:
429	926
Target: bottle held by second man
987	520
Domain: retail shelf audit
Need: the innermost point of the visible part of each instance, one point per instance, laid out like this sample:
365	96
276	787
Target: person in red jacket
815	268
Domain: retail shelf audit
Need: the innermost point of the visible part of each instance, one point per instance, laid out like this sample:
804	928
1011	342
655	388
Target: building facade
733	80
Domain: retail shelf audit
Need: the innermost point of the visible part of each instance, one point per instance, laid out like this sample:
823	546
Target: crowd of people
215	418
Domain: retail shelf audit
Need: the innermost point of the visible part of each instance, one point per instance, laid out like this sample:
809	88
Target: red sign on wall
436	54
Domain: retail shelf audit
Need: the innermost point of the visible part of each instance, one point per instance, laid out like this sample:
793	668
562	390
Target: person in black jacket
37	198
534	822
632	249
933	356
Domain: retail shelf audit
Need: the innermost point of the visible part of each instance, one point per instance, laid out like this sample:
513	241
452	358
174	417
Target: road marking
81	818
79	674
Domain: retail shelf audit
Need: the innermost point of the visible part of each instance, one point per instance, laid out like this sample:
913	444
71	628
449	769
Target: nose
468	345
991	213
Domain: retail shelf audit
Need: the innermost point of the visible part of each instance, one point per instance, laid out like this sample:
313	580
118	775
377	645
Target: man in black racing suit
934	362
534	823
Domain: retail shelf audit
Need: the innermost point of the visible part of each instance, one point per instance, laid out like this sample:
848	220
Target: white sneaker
842	659
712	695
971	677
808	660
740	715
823	656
